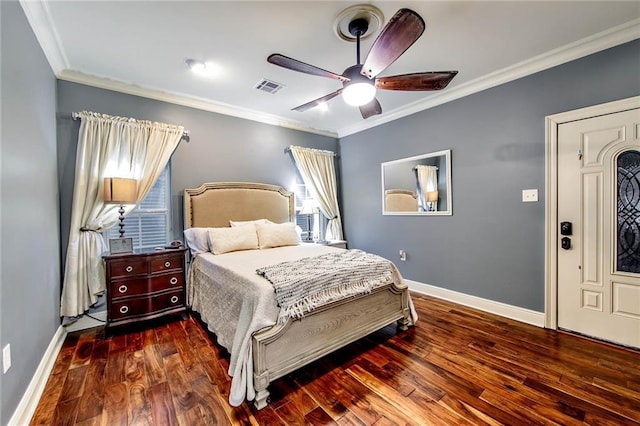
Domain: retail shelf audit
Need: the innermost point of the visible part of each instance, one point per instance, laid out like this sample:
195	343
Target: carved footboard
284	348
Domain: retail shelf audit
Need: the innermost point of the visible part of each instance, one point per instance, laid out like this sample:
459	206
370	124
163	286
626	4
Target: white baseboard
85	322
509	311
27	406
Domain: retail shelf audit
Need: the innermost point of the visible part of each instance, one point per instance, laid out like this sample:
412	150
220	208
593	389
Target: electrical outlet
6	358
529	195
403	255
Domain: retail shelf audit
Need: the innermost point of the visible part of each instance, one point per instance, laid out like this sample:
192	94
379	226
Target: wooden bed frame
286	347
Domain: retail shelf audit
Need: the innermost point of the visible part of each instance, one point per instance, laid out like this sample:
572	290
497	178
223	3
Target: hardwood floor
457	366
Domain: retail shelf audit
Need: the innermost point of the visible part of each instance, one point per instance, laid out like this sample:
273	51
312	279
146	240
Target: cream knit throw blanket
308	283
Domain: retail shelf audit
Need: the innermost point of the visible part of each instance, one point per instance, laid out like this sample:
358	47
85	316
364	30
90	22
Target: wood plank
116	405
114	370
73	386
134	367
84	347
181	391
92	399
162	410
318	416
47	405
139	404
154	365
65	412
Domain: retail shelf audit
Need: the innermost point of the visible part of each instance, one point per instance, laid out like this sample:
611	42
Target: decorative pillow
277	235
235	223
197	240
224	240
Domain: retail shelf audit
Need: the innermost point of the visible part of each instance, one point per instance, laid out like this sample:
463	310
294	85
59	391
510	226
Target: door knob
565	242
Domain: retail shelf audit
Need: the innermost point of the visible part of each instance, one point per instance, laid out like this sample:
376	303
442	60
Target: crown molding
584	47
39	17
188	101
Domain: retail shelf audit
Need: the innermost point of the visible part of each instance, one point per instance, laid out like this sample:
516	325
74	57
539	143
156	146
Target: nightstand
143	286
338	243
335	243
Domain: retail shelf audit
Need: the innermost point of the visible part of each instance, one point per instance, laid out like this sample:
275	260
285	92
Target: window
149	223
628	204
308	223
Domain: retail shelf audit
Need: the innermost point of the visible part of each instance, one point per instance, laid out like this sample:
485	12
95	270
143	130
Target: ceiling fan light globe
357	94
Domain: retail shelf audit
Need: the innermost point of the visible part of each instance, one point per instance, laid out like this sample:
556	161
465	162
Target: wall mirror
419	185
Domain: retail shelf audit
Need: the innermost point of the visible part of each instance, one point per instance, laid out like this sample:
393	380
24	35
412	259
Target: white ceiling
140	47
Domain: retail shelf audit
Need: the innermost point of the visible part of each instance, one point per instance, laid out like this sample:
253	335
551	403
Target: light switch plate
529	195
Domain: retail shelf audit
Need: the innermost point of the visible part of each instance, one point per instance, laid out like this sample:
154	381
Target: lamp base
121	224
309	233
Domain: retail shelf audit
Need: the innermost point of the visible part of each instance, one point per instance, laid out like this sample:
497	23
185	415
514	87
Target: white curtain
319	175
427	182
107	147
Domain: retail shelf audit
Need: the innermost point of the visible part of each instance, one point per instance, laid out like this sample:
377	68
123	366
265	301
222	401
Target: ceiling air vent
269	86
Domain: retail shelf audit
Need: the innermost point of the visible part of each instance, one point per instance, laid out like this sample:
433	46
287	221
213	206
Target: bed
238	305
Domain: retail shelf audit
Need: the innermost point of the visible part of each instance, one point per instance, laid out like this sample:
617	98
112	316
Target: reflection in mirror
419	185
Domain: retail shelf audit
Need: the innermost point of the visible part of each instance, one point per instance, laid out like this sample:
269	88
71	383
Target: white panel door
599	196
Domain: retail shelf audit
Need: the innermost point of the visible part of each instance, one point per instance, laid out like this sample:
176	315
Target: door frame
552	122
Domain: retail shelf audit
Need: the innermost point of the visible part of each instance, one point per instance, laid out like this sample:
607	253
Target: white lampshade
359	93
120	191
308	207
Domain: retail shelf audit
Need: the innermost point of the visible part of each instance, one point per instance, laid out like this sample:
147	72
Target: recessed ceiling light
202	68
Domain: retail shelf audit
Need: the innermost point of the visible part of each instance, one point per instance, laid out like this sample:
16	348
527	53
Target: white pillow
277	235
197	240
224	240
235	223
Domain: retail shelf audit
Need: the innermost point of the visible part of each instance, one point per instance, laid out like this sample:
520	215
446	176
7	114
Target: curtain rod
185	133
416	167
288	149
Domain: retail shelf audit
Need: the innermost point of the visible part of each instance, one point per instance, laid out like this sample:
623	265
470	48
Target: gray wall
221	148
29	265
493	245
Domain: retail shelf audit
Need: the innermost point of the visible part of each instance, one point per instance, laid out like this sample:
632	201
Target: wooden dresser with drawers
143	286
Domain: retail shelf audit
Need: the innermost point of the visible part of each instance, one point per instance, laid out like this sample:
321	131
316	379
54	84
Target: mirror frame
449	211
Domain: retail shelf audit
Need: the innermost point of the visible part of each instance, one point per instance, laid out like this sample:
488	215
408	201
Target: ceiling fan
360	81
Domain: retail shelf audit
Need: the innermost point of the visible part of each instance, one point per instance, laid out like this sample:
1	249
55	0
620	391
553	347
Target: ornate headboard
213	205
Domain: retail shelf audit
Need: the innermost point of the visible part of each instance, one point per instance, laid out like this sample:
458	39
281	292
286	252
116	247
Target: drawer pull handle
129	268
174	299
123	289
124	309
167	264
173	280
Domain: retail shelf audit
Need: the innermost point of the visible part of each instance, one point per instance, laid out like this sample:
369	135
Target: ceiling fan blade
370	109
295	65
403	29
317	102
416	82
